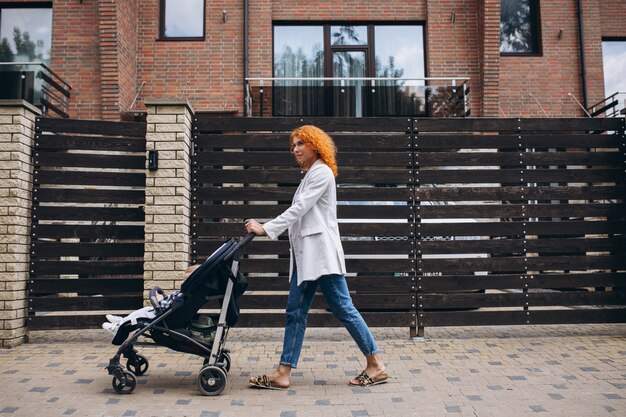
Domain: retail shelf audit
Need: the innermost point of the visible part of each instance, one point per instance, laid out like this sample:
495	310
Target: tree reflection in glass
516	26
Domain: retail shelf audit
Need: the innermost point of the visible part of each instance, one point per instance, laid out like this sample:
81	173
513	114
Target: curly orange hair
321	143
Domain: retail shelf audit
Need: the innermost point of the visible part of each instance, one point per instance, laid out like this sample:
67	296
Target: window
25	39
348	51
25	32
182	19
614	60
519	27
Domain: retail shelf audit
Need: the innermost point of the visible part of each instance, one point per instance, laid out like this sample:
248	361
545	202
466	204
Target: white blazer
313	230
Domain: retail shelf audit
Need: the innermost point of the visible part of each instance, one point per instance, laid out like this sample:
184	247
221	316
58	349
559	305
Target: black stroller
178	325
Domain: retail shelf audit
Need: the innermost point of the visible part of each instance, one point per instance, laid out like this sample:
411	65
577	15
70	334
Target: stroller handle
247	239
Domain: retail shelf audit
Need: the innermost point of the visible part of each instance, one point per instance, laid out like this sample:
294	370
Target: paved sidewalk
484	371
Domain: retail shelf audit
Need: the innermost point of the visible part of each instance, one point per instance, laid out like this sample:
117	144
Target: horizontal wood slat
90	286
45	249
475	159
511	245
347	175
90	178
582	209
533	125
107	267
492	318
88	231
95	143
518	193
519	299
520	176
85	160
250	158
362	283
518	281
271	210
510	142
69	195
541	228
346	229
363	302
314	319
286	194
104	128
89	213
80	303
372	264
280	141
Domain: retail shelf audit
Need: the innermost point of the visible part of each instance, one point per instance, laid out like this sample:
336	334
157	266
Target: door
348	94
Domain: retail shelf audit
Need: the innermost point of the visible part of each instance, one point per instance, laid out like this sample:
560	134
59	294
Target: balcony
357	97
37	84
610	106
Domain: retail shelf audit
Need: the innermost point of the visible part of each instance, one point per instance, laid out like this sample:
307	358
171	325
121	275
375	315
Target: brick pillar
168	194
17	132
489	59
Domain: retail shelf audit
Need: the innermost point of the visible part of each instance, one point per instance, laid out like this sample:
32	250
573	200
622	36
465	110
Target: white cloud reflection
614	57
38	24
184	18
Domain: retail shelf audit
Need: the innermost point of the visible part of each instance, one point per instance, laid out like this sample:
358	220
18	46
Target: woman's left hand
252	226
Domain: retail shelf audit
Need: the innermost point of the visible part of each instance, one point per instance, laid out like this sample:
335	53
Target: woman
317	259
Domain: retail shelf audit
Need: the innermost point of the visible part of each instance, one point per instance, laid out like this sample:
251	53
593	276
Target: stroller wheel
124	387
211	380
137	365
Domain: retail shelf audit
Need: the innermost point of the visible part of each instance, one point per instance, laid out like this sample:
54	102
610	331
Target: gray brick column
168	194
17	132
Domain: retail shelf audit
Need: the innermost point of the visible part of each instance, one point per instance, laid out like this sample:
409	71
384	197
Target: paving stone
573	371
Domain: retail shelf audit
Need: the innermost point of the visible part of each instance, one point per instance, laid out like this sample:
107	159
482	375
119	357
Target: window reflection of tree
515	26
24	46
291	98
347	35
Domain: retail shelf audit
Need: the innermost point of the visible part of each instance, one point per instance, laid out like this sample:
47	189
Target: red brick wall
109	67
208	73
549	77
613	15
75	54
488	90
106	52
127	19
453	46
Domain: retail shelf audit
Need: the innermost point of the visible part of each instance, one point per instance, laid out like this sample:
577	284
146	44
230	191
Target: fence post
168	194
17	133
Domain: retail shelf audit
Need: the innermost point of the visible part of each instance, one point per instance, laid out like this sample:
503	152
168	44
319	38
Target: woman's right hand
252	226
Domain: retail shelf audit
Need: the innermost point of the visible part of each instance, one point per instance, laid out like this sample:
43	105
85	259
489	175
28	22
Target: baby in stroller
173	321
114	323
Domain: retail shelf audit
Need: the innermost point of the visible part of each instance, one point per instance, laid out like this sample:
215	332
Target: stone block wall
168	195
17	132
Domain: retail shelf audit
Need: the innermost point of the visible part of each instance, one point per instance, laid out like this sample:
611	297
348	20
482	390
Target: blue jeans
335	290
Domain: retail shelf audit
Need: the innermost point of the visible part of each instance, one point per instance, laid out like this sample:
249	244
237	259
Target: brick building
115	54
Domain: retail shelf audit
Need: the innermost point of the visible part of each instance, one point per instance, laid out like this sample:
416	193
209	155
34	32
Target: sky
614	56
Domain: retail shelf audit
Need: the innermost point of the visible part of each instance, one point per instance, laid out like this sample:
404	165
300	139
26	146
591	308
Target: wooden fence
248	172
522	225
87	222
445	221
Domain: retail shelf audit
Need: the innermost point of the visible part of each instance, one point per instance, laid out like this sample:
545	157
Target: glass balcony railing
37	84
357	97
